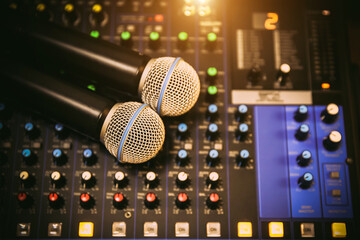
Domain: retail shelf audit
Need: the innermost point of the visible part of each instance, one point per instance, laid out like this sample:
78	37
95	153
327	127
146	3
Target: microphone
169	85
130	131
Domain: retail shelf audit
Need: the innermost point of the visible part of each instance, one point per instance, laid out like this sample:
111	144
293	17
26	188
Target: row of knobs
255	75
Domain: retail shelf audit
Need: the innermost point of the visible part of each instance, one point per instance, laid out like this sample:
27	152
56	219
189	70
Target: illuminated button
336	193
332	141
307	230
213	229
338	230
244	229
23	229
150	229
126	39
212	93
119	229
276	229
154	42
54	229
325	85
330	113
95	34
211	41
183	40
334	175
86	229
211	74
182	229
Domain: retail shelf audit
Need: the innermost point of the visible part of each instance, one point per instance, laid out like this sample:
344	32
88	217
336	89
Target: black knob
154	41
120	179
211	41
330	113
255	75
212	132
213	158
304	158
119	201
182	157
241	113
3	158
301	113
213	180
25	200
55	200
151	201
57	179
87	179
126	39
242	131
283	74
212	113
31	131
182	180
182	131
4	131
26	179
182	200
151	179
213	201
332	141
89	157
211	75
97	14
60	131
306	180
211	94
29	157
182	41
302	133
42	11
243	158
86	201
70	14
59	157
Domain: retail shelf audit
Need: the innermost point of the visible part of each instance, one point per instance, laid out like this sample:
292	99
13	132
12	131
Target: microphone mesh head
145	137
181	91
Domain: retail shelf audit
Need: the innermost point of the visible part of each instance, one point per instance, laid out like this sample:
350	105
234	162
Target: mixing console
268	151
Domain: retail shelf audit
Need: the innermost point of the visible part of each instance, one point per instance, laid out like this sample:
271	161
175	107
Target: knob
97	14
57	179
212	132
306	180
211	75
182	200
26	179
283	74
211	41
183	41
304	158
212	158
332	141
126	39
330	113
120	179
55	200
59	157
24	200
31	131
119	201
4	131
154	41
301	113
70	14
3	158
29	157
88	179
89	157
211	94
151	179
241	113
302	133
182	157
60	131
182	131
86	201
213	180
182	180
243	158
151	201
213	201
42	11
212	113
242	131
255	75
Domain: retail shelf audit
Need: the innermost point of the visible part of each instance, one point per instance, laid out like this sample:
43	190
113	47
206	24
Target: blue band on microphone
166	81
127	129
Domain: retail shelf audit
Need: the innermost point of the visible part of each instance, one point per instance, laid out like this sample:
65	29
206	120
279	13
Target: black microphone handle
73	51
78	108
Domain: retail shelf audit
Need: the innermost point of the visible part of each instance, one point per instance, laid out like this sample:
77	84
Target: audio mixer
269	151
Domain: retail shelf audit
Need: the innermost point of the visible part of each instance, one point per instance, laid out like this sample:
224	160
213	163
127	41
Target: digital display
268	21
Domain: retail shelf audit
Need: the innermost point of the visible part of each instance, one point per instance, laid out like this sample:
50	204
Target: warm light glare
271	21
97	8
40	7
69	7
189	10
325	85
204	11
285	68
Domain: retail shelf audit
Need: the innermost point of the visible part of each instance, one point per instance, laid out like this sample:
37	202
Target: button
301	113
276	229
182	229
119	229
57	179
211	41
120	179
86	229
283	74
243	158
212	113
302	132
150	229
338	230
244	229
154	42
336	193
151	201
59	157
182	157
306	180
213	229
54	229
89	157
213	158
307	230
332	141
86	201
330	113
212	132
213	201
183	41
211	75
23	229
182	200
88	179
334	175
126	39
241	113
213	180
304	158
182	180
151	179
242	132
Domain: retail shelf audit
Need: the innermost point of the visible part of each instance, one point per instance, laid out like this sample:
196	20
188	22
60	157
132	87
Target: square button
86	229
150	229
336	193
182	229
338	230
119	229
54	229
23	230
244	229
334	175
213	229
307	230
276	229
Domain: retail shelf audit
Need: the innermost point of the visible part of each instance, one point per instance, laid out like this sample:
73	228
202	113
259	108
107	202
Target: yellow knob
97	8
40	7
69	8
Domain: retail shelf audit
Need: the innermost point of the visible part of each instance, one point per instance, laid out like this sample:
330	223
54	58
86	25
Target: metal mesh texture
181	92
145	138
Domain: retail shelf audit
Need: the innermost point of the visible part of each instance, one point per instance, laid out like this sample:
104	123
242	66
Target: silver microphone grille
170	86
133	132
